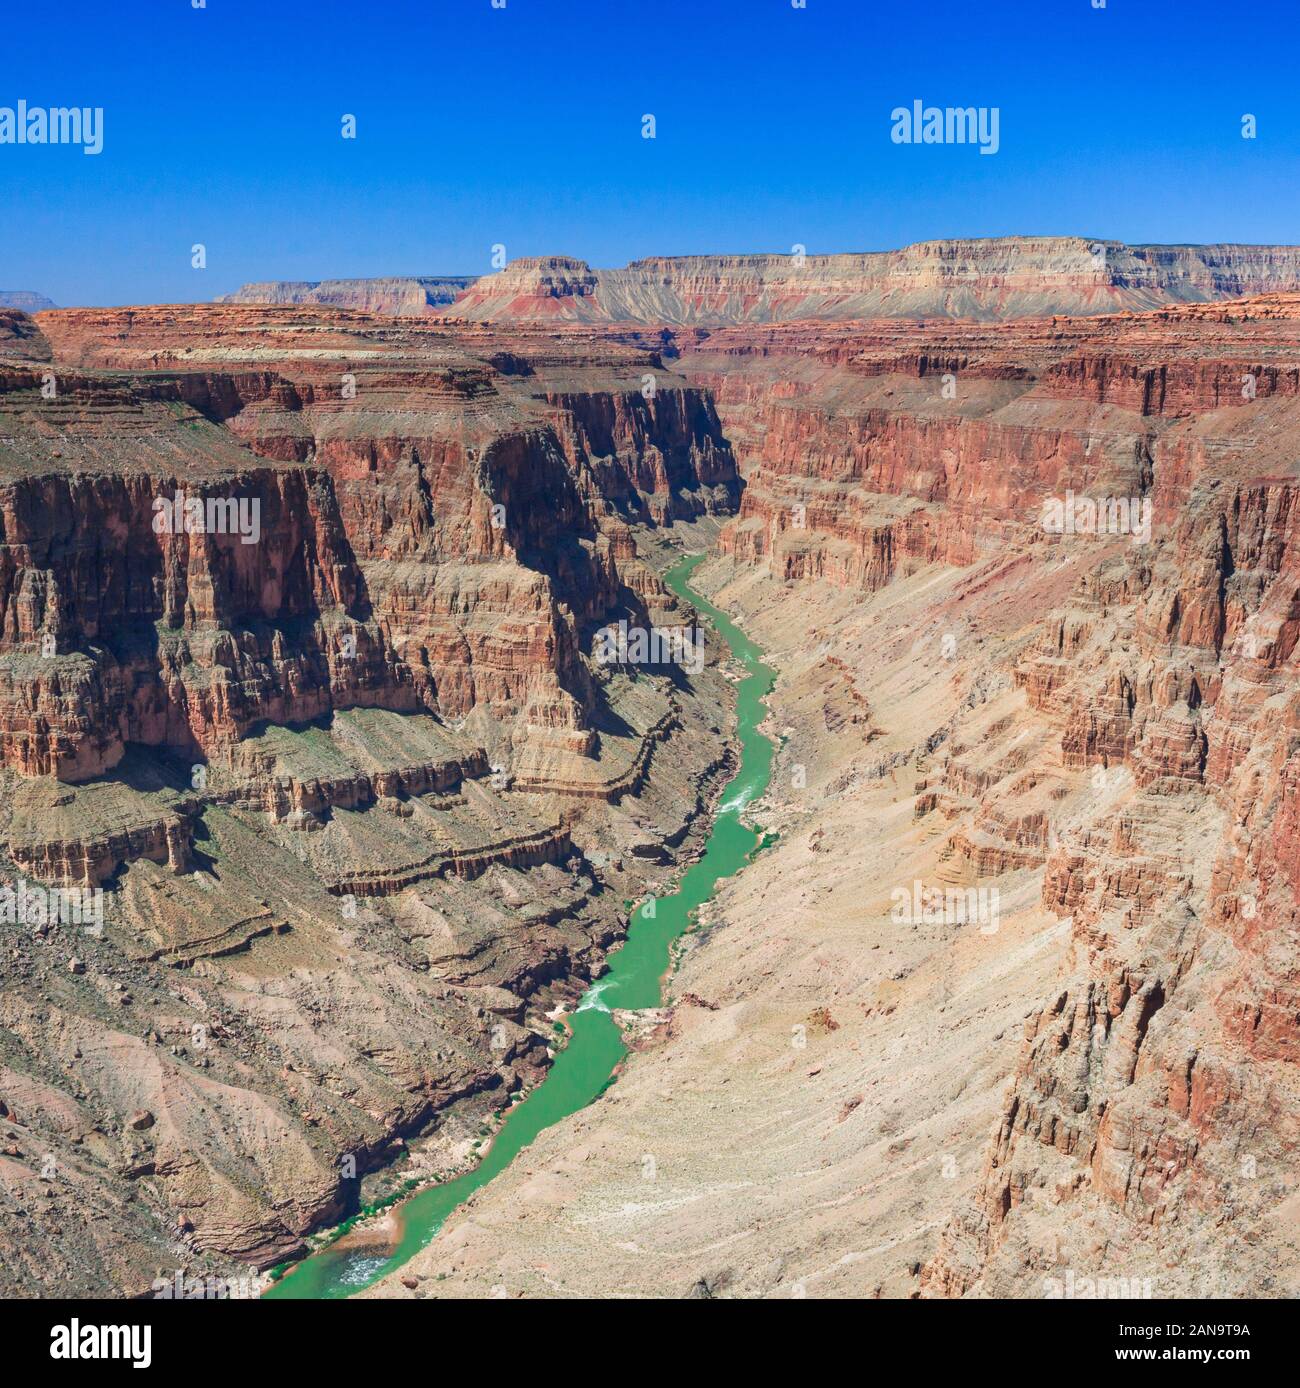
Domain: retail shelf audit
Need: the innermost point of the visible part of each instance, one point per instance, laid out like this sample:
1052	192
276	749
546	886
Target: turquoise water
634	980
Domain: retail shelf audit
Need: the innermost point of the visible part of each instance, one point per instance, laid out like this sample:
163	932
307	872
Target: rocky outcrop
20	338
394	294
286	595
286	799
985	280
432	531
552	844
1145	782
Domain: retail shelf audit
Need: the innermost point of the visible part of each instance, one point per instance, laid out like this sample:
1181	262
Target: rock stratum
1115	748
984	280
1010	1008
395	294
315	799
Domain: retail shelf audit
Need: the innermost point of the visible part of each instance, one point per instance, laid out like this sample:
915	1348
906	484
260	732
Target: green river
584	1067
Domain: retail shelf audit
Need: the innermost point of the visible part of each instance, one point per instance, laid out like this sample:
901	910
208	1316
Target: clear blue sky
523	126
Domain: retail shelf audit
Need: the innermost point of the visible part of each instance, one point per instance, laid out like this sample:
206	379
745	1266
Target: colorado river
595	1047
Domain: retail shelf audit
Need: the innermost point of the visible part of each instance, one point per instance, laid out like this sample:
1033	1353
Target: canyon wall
435	531
395	294
1007	1005
1149	1117
309	781
1033	589
984	280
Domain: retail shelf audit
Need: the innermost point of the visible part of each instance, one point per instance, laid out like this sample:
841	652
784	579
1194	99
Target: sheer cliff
311	784
1009	1004
984	280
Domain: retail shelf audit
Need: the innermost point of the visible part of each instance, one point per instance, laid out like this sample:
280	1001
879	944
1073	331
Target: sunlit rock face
439	518
1031	587
395	294
989	280
310	783
297	608
1149	641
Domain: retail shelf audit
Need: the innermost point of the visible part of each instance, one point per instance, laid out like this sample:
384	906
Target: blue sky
522	126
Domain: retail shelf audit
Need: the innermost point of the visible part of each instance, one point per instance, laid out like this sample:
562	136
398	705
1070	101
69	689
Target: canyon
362	805
369	811
1096	1087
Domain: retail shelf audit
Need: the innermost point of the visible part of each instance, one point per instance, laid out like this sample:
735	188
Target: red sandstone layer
442	514
1159	664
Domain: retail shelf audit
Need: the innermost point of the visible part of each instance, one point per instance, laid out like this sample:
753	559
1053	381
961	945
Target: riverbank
814	1107
595	1047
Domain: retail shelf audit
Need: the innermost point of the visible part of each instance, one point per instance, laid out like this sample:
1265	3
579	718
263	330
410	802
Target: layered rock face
20	338
985	280
395	294
1128	485
363	807
434	529
1009	1008
304	755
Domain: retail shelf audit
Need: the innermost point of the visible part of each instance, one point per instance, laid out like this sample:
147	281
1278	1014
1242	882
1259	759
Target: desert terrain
1009	1002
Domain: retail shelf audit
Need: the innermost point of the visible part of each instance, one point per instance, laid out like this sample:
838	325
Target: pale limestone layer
994	279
